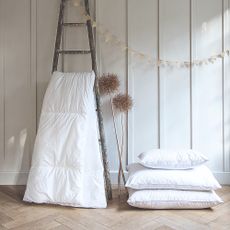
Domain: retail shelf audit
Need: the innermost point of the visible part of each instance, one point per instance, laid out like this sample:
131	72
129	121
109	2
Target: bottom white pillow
173	199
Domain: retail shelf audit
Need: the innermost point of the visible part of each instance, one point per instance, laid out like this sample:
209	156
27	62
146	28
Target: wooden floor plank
4	218
18	215
2	228
47	223
61	227
164	227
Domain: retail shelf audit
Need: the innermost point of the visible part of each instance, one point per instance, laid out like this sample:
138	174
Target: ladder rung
74	51
74	24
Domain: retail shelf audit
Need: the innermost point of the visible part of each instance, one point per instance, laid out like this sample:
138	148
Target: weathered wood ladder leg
98	103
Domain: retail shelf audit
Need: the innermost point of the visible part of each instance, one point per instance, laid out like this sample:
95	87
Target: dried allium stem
117	140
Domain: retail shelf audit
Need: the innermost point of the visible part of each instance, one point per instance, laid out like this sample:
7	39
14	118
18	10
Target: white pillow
172	199
171	159
199	178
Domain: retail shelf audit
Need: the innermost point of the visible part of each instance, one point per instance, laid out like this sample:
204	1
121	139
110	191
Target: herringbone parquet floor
15	214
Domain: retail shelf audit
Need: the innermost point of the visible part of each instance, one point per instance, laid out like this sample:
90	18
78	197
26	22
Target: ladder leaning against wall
92	52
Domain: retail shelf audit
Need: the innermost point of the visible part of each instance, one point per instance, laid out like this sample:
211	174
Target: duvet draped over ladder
67	166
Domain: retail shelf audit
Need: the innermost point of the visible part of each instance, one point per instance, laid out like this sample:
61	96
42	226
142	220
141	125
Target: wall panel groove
127	80
158	77
190	74
33	64
2	88
226	85
223	90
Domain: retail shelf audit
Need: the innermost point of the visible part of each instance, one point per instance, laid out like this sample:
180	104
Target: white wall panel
143	79
207	81
226	84
47	16
174	82
2	88
112	15
19	87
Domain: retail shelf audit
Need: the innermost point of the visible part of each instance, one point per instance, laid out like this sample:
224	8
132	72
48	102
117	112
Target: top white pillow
171	159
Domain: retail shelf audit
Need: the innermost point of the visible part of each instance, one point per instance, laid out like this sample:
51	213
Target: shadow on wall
17	155
19	130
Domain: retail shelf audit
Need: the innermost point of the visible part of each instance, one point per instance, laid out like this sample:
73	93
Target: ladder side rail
58	35
98	104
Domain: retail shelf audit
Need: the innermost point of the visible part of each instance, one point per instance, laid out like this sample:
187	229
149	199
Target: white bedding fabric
67	166
199	178
171	159
172	199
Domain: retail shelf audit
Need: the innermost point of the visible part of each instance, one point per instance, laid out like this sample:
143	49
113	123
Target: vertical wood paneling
33	69
112	15
47	16
174	82
207	81
19	87
226	45
143	122
2	89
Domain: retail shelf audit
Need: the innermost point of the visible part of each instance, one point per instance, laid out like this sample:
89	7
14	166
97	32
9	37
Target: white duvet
67	167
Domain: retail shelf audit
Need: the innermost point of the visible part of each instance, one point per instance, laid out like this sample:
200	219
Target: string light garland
108	37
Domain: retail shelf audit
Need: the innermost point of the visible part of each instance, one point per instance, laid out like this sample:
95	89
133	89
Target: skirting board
13	178
20	178
223	177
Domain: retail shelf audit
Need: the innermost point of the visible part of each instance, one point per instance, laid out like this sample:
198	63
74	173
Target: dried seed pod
122	102
108	83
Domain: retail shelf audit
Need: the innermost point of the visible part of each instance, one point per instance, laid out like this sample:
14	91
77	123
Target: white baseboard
223	177
13	178
114	175
20	178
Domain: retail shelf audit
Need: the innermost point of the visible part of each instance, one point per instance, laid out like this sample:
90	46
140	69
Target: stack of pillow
170	179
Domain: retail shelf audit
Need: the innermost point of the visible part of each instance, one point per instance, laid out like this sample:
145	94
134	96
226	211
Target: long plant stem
117	140
122	151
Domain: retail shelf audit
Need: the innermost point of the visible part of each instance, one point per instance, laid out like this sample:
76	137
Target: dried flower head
108	83
122	102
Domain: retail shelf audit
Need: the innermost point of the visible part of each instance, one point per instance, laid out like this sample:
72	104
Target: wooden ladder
92	51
